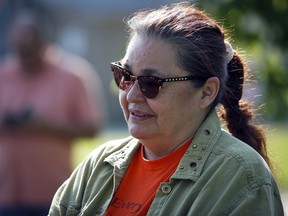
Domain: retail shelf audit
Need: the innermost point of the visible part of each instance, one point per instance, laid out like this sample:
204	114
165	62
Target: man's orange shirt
137	190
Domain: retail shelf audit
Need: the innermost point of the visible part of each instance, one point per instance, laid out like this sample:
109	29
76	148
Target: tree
261	27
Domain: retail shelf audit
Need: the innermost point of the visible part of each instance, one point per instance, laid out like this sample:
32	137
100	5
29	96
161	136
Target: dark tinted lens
125	82
149	86
122	78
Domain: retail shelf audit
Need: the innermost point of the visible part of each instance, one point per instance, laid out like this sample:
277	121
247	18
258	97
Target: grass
277	148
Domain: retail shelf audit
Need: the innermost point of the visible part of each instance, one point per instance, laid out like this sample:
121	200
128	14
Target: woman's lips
139	116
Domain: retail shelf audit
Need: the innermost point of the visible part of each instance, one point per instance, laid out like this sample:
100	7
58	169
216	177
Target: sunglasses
149	85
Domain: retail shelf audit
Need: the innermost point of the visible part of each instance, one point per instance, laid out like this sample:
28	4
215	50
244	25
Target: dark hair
200	44
39	21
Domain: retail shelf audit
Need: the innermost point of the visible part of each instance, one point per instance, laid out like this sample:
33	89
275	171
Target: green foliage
262	25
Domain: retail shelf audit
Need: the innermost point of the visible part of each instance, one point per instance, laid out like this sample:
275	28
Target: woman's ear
209	92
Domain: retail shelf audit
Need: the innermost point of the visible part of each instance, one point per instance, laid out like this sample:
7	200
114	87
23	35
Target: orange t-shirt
137	190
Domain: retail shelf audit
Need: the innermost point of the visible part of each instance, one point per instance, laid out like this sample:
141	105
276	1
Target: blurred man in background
45	104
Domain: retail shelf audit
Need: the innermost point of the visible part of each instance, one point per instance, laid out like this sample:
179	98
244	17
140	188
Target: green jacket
218	175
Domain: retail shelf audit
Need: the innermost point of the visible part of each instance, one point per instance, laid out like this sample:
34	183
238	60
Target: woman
178	160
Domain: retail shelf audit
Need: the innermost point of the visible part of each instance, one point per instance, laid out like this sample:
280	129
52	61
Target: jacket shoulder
241	157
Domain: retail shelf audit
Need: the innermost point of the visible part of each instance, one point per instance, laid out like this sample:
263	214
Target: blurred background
95	30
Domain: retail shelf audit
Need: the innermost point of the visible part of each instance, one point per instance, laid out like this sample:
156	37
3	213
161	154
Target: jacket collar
192	163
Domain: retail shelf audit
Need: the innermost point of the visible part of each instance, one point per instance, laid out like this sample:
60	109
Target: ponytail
238	113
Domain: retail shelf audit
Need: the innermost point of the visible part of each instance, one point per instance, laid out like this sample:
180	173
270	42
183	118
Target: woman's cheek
124	104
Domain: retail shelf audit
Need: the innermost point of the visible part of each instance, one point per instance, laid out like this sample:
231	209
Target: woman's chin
139	133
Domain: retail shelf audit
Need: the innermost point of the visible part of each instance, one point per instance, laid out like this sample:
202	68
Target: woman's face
175	114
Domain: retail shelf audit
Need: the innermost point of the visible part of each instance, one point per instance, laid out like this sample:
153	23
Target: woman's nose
134	94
